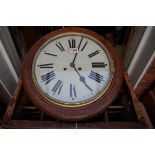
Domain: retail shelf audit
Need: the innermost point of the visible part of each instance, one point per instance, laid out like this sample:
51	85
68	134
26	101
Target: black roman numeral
98	65
93	54
59	45
46	65
80	43
50	54
84	46
72	91
57	87
72	43
95	76
48	77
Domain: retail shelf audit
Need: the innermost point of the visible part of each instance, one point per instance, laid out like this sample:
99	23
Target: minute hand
74	58
82	79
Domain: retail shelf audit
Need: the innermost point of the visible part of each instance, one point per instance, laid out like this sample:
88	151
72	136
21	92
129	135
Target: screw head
79	68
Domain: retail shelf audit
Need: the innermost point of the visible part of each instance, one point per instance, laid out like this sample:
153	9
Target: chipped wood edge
139	107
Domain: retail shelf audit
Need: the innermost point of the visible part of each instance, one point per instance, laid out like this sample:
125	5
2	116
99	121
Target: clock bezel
68	104
72	113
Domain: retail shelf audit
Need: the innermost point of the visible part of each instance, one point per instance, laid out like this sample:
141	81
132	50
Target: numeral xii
72	43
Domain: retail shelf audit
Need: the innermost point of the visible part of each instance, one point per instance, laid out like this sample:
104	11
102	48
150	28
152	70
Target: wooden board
147	80
149	103
143	118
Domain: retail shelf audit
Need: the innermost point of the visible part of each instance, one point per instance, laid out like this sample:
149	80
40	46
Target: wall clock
72	74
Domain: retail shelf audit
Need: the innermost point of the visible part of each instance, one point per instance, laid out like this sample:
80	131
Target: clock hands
74	58
72	64
77	53
82	79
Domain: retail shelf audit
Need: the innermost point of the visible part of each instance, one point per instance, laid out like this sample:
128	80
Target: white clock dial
72	69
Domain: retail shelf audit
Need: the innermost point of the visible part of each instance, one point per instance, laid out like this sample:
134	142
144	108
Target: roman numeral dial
72	69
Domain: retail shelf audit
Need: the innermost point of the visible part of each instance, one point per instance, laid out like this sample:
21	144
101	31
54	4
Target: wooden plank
147	80
110	125
139	108
0	124
4	96
144	121
26	124
12	103
149	103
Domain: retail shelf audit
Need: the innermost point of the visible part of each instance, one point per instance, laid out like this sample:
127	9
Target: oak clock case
72	74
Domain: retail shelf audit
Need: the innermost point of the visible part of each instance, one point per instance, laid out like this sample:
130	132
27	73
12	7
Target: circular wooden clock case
72	74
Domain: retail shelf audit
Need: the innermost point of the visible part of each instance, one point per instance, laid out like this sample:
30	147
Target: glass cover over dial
72	69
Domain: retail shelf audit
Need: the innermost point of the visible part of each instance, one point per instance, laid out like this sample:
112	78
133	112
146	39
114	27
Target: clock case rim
76	113
82	103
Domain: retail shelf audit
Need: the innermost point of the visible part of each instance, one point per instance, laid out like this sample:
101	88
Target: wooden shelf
104	121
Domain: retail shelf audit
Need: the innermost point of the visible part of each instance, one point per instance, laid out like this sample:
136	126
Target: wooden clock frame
77	113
